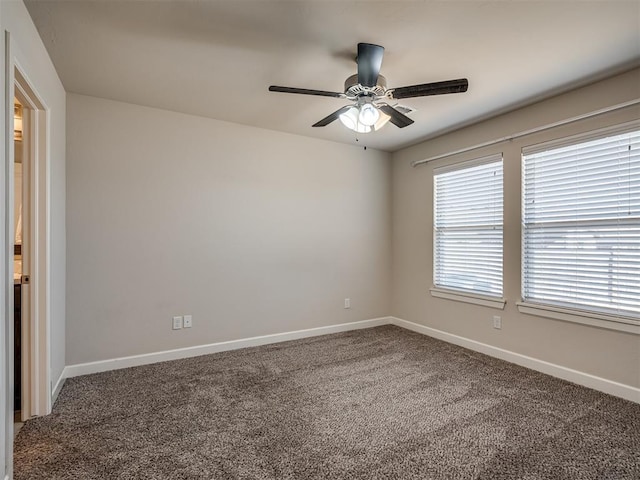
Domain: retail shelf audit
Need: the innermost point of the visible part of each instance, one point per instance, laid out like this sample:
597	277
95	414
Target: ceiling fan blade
436	88
369	63
330	118
305	91
400	120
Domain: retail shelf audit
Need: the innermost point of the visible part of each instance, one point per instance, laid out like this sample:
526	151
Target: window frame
570	313
452	293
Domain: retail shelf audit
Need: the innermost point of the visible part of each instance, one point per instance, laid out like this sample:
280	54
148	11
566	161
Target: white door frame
36	371
6	295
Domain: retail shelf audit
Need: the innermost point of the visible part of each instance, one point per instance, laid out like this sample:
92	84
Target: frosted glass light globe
350	120
369	115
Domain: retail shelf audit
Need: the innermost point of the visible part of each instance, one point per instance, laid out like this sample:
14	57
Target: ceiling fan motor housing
352	89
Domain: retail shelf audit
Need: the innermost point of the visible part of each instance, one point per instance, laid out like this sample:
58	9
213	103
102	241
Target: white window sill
484	300
600	320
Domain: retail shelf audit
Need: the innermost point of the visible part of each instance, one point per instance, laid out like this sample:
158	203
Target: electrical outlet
188	321
177	323
497	322
347	303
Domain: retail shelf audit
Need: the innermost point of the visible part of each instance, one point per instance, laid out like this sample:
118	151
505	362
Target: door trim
6	296
36	371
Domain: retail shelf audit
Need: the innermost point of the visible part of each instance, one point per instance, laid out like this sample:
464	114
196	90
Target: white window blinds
581	224
468	226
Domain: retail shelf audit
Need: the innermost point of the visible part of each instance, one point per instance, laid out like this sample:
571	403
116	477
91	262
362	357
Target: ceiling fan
368	90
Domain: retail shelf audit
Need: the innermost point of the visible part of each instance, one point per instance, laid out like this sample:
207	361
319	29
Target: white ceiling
217	58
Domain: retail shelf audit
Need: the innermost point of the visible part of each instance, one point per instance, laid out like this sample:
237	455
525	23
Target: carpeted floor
381	403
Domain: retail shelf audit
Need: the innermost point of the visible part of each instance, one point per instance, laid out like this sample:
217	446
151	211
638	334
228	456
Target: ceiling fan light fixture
382	121
351	120
368	115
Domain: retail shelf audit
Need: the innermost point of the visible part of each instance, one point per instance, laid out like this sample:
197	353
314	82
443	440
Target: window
581	223
468	227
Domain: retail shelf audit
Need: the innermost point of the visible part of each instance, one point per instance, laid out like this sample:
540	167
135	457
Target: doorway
32	388
18	203
22	298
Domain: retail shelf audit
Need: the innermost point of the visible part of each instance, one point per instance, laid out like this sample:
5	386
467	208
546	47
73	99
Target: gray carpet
382	403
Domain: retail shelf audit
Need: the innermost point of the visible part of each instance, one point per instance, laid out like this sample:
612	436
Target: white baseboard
148	358
58	386
591	381
597	383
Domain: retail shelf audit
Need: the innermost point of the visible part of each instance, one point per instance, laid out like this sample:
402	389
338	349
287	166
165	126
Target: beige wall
251	231
609	354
